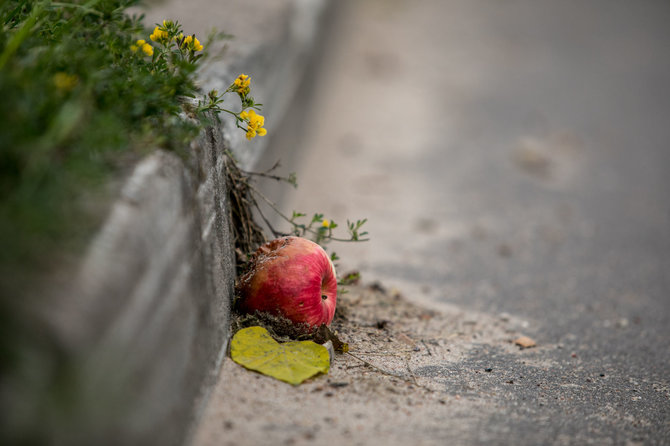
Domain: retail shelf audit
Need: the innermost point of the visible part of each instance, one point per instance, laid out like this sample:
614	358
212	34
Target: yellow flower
148	49
192	43
255	123
144	46
242	78
325	223
64	81
242	83
159	34
255	119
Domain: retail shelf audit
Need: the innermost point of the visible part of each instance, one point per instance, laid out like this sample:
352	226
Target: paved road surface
512	157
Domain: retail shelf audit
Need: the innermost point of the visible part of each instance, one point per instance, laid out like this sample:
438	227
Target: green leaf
292	362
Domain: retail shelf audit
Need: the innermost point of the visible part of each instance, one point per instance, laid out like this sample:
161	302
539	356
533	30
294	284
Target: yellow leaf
291	362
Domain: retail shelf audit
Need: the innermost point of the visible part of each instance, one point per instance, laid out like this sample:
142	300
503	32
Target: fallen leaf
524	342
324	334
292	362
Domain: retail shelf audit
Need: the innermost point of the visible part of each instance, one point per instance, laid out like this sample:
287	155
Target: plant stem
306	228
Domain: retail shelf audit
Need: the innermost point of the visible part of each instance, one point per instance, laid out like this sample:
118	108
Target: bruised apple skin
292	277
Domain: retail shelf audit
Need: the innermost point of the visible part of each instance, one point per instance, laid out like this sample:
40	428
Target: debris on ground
524	342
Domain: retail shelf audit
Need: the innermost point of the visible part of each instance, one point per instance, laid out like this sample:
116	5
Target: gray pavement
512	157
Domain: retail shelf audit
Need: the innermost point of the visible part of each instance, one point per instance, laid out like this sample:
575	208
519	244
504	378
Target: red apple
291	277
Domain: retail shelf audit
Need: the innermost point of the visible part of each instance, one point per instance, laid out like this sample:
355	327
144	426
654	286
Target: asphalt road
512	157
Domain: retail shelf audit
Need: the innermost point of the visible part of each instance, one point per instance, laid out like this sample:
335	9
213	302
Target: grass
77	105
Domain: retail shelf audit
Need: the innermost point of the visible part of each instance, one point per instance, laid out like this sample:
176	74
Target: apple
291	277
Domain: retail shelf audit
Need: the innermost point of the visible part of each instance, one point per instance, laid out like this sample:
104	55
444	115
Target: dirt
380	392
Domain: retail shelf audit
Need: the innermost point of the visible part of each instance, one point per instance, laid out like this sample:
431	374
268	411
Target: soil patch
383	391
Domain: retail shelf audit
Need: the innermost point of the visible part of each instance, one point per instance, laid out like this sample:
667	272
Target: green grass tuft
77	103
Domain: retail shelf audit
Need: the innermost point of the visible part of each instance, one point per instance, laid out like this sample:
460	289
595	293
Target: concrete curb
147	317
